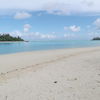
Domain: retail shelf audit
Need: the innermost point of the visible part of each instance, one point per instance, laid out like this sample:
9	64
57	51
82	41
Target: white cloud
44	36
69	35
97	23
61	7
72	28
33	35
47	36
66	35
94	34
27	27
53	32
88	3
22	15
16	33
65	28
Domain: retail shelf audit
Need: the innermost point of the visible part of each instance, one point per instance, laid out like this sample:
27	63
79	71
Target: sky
50	19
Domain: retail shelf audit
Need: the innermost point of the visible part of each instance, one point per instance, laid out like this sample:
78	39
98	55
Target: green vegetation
96	38
7	37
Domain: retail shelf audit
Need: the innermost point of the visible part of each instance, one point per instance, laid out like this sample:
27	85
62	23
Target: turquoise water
11	47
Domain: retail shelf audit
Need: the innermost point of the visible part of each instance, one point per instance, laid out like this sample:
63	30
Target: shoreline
21	46
23	59
11	41
43	50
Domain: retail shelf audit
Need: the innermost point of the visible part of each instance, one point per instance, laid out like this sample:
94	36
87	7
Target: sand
65	74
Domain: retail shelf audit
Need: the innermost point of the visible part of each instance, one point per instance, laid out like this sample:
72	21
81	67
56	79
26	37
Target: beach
61	74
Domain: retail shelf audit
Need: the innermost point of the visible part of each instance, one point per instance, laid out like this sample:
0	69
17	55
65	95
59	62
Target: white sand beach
64	74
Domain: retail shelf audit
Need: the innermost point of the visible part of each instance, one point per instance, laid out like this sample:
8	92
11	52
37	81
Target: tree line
7	37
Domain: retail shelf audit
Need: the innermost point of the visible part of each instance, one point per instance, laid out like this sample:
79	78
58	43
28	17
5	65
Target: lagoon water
14	47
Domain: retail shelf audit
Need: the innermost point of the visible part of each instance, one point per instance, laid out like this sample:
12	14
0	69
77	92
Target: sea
15	47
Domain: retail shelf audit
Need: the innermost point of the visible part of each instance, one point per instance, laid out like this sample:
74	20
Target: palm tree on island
8	37
96	38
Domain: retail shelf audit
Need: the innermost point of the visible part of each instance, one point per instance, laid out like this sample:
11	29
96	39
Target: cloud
22	15
61	7
16	33
47	36
97	23
94	34
33	35
53	32
69	36
44	36
57	8
88	3
65	28
27	27
73	28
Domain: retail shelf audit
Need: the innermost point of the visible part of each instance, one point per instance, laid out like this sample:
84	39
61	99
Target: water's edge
14	47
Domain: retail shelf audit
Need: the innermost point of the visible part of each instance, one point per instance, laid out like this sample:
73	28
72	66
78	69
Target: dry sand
66	74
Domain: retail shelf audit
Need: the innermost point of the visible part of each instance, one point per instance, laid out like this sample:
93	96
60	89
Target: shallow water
13	47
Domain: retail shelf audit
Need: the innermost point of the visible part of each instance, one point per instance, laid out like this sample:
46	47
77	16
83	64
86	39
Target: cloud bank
73	28
57	7
22	15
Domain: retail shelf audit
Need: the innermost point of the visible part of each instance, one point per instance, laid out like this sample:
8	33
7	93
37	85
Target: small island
7	37
96	38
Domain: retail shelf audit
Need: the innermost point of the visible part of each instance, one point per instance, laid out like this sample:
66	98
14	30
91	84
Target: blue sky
50	19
